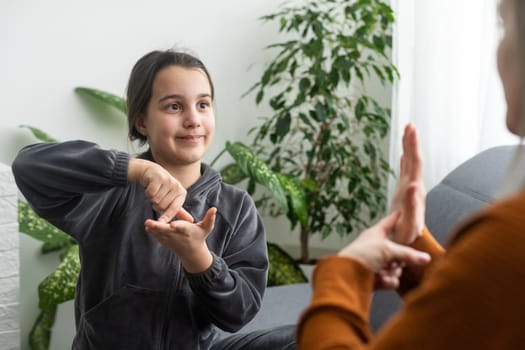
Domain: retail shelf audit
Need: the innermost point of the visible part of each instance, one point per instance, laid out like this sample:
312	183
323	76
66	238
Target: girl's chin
189	159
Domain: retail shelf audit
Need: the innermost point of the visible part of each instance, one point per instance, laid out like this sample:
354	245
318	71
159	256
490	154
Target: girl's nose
192	118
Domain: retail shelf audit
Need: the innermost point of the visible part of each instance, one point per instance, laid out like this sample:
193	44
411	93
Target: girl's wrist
136	168
200	261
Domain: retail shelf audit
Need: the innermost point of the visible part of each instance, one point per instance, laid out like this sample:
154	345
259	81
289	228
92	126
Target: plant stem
305	235
217	157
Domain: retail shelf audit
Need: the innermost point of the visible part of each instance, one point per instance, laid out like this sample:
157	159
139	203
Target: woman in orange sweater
468	297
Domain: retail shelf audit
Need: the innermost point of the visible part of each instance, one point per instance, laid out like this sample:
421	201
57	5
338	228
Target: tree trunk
305	235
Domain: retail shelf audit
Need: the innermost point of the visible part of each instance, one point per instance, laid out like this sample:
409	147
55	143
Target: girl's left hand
186	239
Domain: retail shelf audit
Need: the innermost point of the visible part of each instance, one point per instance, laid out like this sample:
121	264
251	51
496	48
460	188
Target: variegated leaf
40	335
105	97
33	225
39	134
232	174
295	192
258	170
60	285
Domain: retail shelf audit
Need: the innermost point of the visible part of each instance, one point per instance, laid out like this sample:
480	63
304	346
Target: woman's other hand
374	249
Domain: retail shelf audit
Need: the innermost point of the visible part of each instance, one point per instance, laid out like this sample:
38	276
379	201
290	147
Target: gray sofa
470	186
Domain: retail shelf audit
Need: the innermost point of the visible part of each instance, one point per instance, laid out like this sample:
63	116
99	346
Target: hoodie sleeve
61	180
231	290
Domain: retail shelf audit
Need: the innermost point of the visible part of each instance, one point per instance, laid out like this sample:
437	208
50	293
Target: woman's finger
407	255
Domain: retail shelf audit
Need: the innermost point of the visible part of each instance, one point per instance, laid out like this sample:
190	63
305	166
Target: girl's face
510	66
179	121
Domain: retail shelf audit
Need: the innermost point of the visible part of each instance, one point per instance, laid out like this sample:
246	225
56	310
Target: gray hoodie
132	292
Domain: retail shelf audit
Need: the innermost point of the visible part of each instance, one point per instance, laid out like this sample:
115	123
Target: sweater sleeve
412	275
337	317
56	178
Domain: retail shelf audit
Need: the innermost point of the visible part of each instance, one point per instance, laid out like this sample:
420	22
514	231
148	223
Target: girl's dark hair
140	84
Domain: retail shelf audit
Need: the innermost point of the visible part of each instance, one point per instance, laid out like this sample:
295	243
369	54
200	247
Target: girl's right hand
163	190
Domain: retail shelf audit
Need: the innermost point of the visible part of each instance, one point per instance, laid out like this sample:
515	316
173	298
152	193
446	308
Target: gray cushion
281	305
470	186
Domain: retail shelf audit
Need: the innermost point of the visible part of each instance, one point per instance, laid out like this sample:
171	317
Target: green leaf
259	96
39	134
304	84
310	184
379	73
232	174
340	229
388	40
283	126
267	75
304	118
60	285
40	335
33	225
295	192
49	247
334	77
320	112
317	28
325	232
283	268
257	170
105	97
359	74
379	42
282	23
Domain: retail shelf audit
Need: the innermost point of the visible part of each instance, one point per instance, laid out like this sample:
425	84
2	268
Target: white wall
9	273
49	47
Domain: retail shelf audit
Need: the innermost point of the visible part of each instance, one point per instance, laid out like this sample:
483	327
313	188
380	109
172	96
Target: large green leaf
283	268
105	97
232	174
256	169
295	192
60	285
39	134
40	335
33	225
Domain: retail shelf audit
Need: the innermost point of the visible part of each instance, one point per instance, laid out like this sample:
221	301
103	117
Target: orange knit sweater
470	297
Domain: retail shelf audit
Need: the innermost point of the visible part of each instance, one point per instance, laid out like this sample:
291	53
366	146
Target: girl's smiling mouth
191	138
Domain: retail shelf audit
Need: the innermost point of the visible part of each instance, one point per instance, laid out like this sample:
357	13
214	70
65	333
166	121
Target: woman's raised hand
409	195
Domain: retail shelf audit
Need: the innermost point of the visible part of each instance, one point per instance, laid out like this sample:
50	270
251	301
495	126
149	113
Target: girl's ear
140	125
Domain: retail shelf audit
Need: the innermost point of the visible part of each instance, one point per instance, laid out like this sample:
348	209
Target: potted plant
324	135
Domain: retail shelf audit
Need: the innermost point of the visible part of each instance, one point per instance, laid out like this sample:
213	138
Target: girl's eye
203	105
174	106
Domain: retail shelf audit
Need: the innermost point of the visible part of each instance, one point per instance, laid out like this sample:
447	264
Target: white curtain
449	88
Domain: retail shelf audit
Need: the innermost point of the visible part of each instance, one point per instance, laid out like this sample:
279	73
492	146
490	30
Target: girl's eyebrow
176	96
